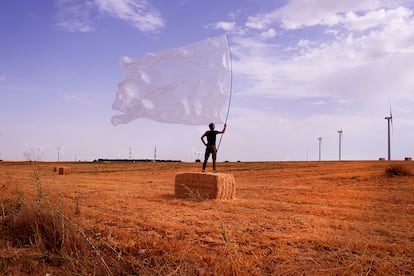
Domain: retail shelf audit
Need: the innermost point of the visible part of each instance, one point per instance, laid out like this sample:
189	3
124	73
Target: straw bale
381	159
201	186
408	159
64	170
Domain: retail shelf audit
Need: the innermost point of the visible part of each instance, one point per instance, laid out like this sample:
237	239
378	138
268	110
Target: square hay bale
64	170
381	159
201	186
408	159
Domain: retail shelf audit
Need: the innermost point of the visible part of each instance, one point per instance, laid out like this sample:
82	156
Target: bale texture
202	186
64	170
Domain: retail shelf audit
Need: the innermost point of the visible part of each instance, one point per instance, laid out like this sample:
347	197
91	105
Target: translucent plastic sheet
184	85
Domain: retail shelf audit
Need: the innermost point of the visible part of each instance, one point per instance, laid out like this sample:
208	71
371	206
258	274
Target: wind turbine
39	153
195	154
59	149
340	143
389	122
320	142
28	153
58	152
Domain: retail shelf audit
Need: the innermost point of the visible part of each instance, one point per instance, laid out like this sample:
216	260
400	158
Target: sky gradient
302	69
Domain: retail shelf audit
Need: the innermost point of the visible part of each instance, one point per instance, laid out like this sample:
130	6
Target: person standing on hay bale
211	145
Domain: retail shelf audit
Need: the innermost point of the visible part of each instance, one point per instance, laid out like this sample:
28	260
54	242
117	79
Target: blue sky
302	69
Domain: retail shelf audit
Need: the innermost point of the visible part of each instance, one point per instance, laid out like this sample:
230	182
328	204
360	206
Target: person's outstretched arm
224	129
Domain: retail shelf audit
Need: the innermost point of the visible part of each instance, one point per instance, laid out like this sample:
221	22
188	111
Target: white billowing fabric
184	85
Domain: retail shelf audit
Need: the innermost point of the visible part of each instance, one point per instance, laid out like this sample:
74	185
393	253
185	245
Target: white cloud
351	67
259	22
226	26
298	14
354	69
372	19
77	15
74	16
270	33
312	87
138	13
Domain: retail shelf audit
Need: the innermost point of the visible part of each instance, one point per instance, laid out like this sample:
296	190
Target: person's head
211	126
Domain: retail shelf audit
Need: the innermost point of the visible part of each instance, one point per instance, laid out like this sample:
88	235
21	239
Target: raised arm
224	129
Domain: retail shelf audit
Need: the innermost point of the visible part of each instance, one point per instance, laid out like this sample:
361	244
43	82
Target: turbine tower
389	122
58	154
340	143
320	142
59	151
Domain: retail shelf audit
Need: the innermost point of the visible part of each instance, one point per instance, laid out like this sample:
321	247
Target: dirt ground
288	218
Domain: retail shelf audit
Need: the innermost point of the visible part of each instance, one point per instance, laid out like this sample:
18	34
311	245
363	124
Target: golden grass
289	218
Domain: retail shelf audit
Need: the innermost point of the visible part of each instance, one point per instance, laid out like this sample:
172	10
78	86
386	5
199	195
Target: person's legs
214	155
206	156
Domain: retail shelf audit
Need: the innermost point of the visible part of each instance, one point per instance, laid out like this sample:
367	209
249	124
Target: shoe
203	170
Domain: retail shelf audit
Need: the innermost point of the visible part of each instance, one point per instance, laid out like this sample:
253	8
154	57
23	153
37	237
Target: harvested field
288	218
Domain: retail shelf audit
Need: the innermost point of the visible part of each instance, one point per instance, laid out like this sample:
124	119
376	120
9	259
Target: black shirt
211	137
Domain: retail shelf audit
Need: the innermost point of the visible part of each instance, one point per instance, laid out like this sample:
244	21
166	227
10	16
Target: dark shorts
211	149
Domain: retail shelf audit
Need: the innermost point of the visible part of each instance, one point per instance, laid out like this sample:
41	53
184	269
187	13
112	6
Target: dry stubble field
288	218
